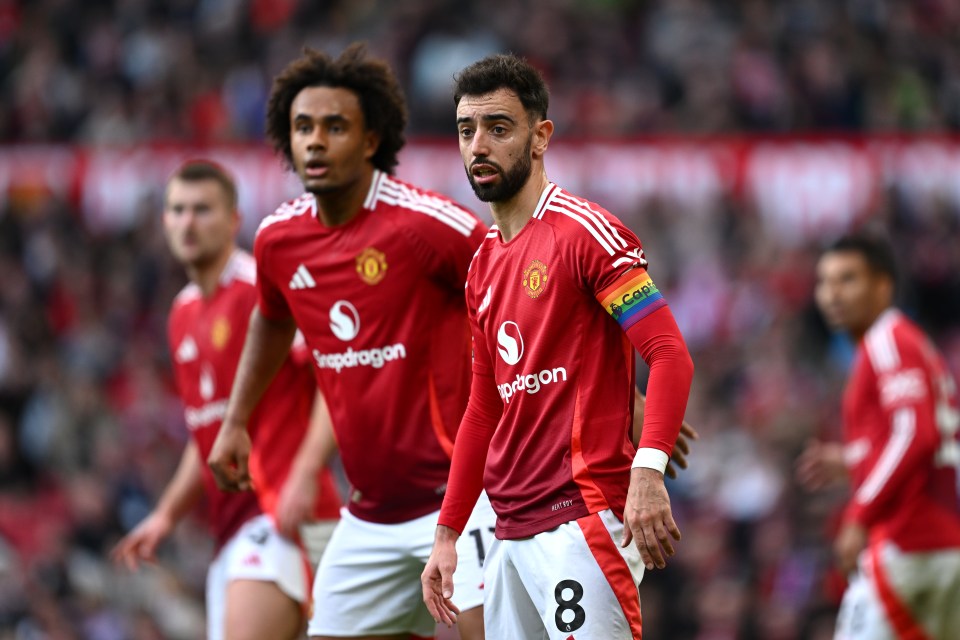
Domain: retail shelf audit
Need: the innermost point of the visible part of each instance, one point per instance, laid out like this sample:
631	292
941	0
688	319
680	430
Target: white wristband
651	458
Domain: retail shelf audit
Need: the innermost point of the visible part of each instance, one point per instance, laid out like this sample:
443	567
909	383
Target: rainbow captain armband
631	298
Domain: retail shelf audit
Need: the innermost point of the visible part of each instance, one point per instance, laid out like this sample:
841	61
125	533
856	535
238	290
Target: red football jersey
549	310
900	414
380	303
206	338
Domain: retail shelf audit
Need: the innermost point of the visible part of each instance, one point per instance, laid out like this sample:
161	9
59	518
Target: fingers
286	524
670	471
124	554
654	539
290	516
627	537
231	473
437	590
681	446
809	467
132	550
654	556
679	458
688	431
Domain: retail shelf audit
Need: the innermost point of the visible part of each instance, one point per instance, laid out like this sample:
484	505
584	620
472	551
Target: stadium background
736	139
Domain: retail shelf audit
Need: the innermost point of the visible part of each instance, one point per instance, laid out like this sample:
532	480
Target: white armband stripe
904	427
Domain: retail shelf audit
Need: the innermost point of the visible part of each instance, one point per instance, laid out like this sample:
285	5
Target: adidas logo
302	279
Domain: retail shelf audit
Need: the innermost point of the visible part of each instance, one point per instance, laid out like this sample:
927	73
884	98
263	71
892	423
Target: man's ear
542	131
372	143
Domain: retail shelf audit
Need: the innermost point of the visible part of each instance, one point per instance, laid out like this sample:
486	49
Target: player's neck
339	207
207	276
512	215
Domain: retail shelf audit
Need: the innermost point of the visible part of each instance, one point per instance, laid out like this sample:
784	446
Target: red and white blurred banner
800	187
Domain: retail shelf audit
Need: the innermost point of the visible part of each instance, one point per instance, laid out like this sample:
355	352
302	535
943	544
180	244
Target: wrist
306	469
233	423
650	458
446	535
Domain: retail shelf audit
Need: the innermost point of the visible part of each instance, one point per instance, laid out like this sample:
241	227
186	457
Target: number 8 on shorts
577	575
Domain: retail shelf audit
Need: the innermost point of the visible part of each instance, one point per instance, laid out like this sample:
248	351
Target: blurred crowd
90	427
124	71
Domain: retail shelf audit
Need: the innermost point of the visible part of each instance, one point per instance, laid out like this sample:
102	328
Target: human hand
140	545
681	449
647	518
229	457
437	577
820	465
296	502
851	540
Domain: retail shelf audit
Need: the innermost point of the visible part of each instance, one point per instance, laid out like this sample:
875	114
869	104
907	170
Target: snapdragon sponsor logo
531	382
349	359
204	416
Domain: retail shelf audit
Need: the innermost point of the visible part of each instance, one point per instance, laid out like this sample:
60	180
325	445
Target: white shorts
368	582
255	552
573	580
902	595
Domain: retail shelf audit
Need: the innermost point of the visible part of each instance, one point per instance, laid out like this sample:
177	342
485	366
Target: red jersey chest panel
206	337
380	303
564	371
900	429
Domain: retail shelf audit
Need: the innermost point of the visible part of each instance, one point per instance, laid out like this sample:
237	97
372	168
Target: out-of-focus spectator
113	72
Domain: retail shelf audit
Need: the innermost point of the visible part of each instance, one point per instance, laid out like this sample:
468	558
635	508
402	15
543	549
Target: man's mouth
484	173
315	169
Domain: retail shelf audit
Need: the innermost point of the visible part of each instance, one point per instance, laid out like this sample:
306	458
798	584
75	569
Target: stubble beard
510	181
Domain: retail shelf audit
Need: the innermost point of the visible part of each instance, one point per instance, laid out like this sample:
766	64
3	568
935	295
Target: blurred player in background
900	536
558	297
371	269
259	583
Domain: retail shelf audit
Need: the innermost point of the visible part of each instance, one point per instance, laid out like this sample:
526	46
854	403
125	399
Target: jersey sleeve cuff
650	458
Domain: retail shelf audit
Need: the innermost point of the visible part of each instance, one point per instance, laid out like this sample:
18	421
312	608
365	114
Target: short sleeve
445	245
610	264
270	298
481	354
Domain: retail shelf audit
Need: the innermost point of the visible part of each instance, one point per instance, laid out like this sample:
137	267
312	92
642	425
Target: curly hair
380	96
505	71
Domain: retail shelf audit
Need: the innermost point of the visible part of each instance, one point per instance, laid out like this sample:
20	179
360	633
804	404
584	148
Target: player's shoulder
240	270
576	218
417	207
190	294
894	340
287	214
484	252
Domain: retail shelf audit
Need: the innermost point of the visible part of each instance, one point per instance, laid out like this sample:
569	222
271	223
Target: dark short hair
380	96
505	71
875	249
199	170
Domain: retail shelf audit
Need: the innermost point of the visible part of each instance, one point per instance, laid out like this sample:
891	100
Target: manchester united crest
535	278
371	265
220	333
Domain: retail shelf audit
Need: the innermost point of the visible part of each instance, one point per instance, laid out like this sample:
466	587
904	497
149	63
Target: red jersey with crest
206	338
900	413
549	311
380	303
